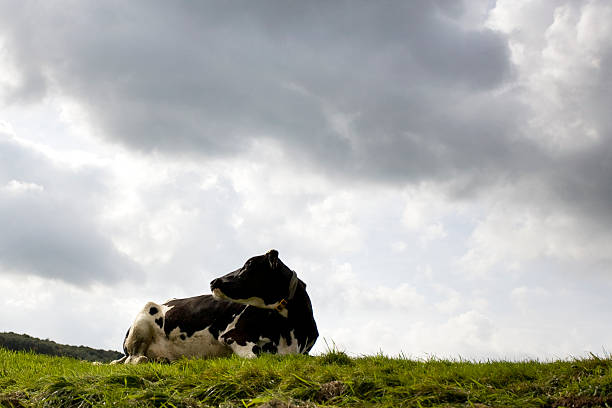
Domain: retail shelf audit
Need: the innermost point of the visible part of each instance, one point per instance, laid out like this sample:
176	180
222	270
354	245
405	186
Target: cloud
515	233
15	187
560	209
562	58
413	95
380	101
46	216
93	316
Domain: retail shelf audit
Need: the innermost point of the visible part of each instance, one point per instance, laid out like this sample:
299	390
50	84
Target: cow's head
264	282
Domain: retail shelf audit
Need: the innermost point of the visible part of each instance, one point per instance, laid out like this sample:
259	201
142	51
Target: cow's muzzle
215	284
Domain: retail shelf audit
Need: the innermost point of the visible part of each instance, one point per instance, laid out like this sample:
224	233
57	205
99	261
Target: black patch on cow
200	312
266	348
183	337
263	276
256	323
153	311
269	348
124	340
268	278
160	322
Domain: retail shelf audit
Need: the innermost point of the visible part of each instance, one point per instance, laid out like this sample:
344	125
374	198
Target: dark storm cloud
419	96
581	183
206	78
580	179
47	229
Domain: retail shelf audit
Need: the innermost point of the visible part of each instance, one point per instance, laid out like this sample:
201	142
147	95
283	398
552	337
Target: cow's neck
299	307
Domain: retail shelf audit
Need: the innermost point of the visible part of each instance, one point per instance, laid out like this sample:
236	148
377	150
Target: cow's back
181	328
191	315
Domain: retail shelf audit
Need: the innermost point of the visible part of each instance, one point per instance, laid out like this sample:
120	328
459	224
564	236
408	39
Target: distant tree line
23	342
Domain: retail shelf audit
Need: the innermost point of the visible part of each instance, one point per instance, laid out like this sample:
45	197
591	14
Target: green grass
332	379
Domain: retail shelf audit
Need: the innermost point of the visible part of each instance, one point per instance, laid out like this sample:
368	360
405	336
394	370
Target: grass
333	379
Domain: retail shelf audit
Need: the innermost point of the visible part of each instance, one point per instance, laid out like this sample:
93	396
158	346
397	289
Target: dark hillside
23	342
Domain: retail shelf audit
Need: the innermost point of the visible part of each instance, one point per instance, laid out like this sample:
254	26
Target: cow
261	307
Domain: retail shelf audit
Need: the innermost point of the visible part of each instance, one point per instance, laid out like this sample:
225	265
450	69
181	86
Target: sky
439	173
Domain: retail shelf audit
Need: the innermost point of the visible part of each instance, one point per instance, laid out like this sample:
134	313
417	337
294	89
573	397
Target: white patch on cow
244	351
285	348
144	330
217	294
199	345
307	344
136	359
165	308
252	301
232	324
119	361
148	341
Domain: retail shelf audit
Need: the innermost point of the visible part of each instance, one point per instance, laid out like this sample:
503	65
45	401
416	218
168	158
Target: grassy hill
301	381
23	342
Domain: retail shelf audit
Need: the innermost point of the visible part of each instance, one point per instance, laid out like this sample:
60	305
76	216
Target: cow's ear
273	258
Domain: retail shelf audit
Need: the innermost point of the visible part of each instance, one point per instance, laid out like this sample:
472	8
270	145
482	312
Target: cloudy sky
439	173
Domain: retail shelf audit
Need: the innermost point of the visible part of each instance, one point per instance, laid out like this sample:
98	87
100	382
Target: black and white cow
261	307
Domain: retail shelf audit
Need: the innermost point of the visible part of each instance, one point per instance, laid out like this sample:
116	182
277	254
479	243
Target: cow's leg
136	359
119	361
145	330
246	351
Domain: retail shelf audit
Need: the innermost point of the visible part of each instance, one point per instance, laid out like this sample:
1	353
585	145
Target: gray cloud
414	95
207	78
47	224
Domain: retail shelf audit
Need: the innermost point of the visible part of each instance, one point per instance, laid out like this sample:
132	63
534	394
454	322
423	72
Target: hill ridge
24	342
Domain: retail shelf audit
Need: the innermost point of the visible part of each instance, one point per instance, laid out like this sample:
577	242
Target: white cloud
452	300
471	328
18	187
427	206
512	234
9	75
48	308
343	286
558	48
528	299
399	246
